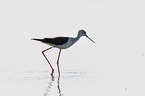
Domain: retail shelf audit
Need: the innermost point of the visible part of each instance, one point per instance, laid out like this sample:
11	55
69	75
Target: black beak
89	38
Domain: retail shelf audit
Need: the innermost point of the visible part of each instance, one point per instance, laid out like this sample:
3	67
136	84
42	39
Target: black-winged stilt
61	43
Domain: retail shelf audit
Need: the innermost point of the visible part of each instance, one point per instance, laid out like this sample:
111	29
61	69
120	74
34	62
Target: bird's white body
69	43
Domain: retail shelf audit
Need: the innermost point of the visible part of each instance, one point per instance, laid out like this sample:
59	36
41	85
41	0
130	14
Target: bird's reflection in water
50	85
58	86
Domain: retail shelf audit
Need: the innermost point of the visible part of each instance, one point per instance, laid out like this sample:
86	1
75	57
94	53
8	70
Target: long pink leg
47	59
58	62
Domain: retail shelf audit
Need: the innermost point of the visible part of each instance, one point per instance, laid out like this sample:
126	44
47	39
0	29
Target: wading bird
61	43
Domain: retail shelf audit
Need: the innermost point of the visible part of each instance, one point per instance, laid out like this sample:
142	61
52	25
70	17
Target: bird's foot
52	73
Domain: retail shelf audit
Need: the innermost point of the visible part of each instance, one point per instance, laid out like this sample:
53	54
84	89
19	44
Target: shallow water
39	83
70	83
99	81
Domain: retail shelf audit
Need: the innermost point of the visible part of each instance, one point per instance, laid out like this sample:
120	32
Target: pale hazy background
113	66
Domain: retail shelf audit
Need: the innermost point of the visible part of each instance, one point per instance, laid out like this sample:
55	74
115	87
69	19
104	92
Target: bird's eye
84	32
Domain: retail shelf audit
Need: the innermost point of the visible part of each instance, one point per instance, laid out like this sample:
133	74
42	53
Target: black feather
56	41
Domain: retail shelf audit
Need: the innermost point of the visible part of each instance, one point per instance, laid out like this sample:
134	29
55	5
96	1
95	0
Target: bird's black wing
56	40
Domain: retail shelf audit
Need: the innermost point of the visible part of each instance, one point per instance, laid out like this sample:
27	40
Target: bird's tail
36	39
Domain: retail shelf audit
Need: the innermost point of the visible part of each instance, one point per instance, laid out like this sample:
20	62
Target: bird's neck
78	37
75	39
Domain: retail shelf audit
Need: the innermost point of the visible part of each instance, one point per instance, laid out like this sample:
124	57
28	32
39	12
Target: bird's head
83	33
